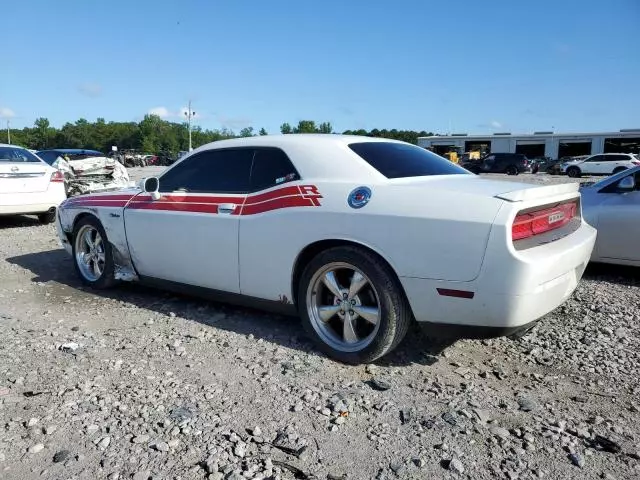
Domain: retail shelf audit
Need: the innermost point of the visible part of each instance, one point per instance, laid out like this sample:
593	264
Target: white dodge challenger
359	236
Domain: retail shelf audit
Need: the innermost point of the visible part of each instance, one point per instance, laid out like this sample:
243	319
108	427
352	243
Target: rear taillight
57	177
635	162
536	222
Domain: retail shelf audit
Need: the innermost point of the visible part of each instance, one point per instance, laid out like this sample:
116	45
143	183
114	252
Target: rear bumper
512	292
30	209
31	203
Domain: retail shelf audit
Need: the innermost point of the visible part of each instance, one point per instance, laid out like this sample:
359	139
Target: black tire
574	172
511	170
107	279
47	218
619	169
395	311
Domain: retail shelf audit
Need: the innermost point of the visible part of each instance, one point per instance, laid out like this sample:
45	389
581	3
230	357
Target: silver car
612	206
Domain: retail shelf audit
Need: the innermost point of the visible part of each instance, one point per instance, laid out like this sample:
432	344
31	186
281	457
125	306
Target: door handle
227	208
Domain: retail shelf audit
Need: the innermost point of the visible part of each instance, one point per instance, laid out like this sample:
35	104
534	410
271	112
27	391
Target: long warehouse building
538	144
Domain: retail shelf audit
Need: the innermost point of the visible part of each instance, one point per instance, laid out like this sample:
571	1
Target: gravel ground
137	383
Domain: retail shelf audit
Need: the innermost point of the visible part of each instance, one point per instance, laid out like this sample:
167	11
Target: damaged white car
87	171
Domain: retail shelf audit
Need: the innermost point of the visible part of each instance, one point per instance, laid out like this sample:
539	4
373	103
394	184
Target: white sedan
612	206
359	236
28	186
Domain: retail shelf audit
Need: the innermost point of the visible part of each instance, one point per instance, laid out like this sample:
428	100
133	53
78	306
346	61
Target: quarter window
616	158
211	171
271	167
399	160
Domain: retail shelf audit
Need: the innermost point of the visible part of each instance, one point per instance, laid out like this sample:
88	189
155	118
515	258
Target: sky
462	66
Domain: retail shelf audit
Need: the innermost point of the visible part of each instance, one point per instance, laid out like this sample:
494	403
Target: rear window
399	160
15	155
48	156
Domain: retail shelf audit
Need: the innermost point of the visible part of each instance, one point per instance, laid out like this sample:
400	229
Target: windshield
17	155
399	160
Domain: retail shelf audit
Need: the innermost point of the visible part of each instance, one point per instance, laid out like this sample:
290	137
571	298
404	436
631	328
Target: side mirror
627	184
152	185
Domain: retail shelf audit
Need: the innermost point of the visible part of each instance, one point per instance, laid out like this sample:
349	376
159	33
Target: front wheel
93	259
512	170
573	172
352	305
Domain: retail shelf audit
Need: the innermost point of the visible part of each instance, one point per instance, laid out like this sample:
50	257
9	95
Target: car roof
14	146
71	150
306	139
315	155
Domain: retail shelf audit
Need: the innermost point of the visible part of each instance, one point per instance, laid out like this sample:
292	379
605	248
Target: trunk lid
476	185
24	177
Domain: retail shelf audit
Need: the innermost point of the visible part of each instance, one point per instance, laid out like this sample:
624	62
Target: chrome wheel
90	253
344	307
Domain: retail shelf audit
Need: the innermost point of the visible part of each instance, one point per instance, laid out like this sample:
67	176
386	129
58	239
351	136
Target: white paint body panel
26	187
197	249
435	232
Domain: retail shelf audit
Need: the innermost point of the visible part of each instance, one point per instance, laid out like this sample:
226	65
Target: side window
618	158
596	158
211	171
271	167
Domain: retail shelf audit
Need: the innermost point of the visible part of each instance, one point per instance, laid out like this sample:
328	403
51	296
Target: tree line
154	135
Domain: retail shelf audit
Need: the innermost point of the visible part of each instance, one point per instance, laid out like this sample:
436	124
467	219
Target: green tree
306	126
246	132
285	128
263	132
42	134
325	127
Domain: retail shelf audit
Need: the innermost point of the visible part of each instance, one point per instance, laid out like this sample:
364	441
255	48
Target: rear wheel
573	172
48	217
511	170
93	259
619	169
352	305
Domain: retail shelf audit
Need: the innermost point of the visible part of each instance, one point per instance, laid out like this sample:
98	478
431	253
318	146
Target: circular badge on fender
359	197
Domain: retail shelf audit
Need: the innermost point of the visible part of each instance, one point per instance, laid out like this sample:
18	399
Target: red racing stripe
286	197
279	193
183	198
276	204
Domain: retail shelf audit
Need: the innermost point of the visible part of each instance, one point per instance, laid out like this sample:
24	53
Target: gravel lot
136	383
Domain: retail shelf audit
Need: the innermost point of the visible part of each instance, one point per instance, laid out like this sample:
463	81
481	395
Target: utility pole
189	114
8	133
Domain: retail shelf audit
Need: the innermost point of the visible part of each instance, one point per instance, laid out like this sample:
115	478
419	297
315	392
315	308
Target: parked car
600	164
359	236
87	171
509	163
28	185
612	206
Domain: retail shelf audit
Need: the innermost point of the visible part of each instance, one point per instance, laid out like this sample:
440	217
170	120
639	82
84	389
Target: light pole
8	133
189	114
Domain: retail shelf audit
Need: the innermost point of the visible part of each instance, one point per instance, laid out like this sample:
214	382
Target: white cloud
162	112
496	124
92	90
6	112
